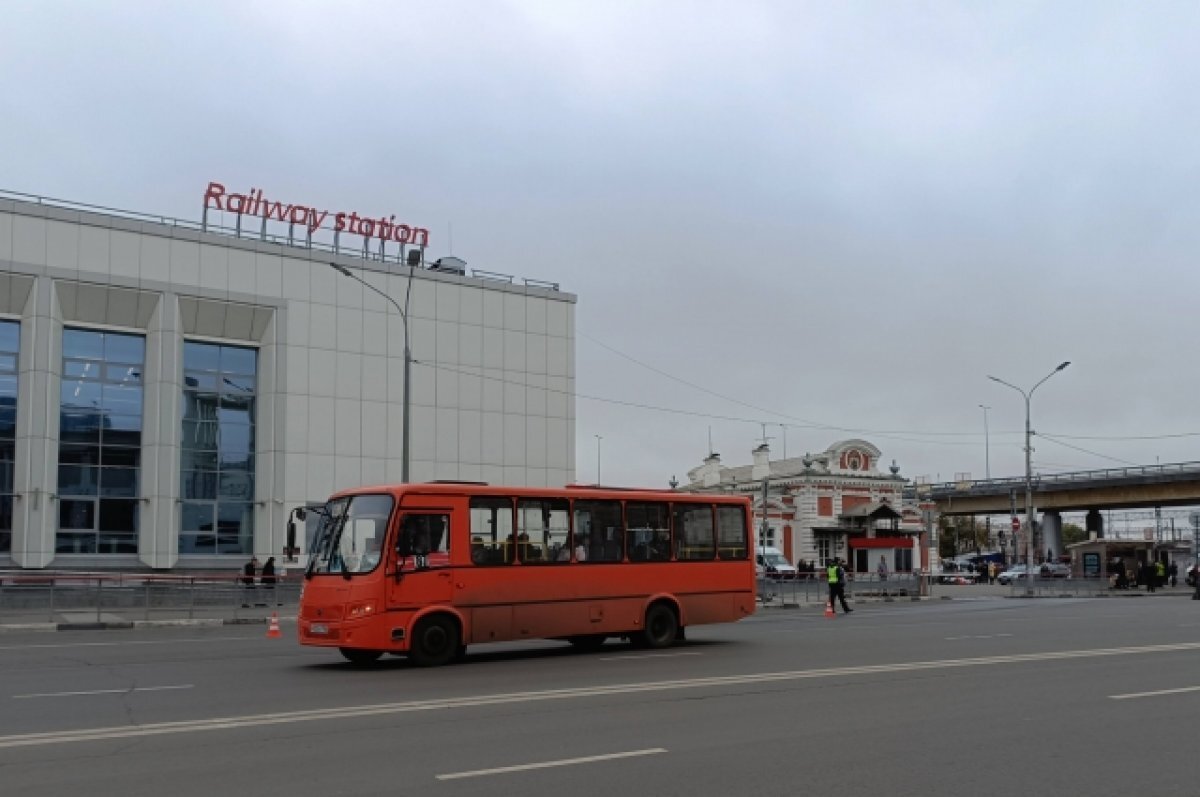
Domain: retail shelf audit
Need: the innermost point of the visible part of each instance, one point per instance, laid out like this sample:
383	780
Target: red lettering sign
254	203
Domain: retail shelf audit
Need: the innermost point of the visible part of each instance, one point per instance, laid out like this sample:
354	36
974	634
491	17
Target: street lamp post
403	311
1029	469
987	464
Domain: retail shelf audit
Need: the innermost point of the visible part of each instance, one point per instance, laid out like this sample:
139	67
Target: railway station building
835	504
171	390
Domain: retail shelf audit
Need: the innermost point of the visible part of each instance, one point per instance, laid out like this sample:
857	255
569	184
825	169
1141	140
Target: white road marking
1156	694
129	642
564	762
104	691
975	636
610	690
645	656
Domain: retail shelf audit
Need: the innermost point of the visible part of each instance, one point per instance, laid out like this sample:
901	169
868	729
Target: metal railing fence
81	598
807	588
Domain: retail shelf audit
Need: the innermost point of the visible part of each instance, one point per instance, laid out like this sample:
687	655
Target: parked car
1044	570
774	564
1012	574
1054	570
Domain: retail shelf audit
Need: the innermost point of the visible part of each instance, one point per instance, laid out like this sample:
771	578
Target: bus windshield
352	534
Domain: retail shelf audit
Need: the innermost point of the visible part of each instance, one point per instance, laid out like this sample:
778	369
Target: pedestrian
882	570
836	576
1173	574
268	580
1160	573
1149	575
248	574
992	572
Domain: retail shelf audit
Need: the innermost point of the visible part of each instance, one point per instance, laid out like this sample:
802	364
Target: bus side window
694	538
599	528
543	526
648	532
429	537
492	539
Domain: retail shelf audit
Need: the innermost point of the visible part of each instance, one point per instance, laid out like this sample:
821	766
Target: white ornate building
834	504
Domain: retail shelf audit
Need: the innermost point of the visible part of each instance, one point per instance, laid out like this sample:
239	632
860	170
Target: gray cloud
846	213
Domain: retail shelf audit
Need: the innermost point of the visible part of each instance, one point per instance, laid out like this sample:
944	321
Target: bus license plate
318	628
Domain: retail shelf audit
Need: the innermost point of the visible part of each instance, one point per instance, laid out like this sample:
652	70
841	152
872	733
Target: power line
655	408
799	422
1085	451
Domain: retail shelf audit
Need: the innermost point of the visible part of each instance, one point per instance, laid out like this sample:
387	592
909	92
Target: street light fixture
403	311
1029	469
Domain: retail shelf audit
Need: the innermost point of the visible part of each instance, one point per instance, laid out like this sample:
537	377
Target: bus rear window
731	532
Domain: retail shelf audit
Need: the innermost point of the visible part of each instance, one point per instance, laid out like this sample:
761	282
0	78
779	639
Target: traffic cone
829	610
273	629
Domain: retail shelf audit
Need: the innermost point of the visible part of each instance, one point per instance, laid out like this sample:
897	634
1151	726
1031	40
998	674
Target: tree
1073	533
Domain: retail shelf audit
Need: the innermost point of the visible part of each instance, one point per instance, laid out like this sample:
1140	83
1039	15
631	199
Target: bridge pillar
1052	544
1094	522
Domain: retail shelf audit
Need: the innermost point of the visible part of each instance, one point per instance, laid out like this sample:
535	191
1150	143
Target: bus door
422	572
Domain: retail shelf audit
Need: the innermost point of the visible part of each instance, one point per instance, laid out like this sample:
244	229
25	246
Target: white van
773	564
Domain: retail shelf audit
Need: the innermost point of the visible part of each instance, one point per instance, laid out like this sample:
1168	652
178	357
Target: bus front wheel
359	656
435	641
661	627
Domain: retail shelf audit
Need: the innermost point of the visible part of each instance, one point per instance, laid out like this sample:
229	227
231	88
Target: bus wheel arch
436	639
662	626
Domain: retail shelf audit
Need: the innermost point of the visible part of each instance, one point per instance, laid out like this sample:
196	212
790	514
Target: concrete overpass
1176	484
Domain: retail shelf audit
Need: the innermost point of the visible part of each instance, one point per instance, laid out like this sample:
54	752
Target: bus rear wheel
435	641
661	628
359	656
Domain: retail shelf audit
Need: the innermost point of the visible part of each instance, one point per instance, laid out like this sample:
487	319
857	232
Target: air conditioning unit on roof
451	265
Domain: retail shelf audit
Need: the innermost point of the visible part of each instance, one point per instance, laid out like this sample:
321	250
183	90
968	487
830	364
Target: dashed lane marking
607	690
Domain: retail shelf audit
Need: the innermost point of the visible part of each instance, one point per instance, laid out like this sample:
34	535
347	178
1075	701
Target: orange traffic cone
273	628
829	610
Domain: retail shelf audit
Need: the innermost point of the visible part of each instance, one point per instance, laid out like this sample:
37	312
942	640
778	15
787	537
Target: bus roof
444	487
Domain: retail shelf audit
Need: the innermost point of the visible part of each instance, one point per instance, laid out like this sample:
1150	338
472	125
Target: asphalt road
1034	697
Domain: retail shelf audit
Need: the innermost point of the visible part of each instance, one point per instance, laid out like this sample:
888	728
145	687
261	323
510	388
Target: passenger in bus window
660	545
580	552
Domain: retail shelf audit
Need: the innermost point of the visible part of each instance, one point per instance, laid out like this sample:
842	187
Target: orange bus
427	569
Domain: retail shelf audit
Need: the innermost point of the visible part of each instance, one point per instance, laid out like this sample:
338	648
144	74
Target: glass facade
217	458
10	346
100	441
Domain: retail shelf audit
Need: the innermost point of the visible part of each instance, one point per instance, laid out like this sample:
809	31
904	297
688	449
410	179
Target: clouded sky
836	216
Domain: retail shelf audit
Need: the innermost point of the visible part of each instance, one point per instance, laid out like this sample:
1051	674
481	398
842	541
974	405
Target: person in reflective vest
837	585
